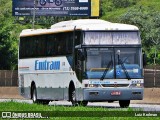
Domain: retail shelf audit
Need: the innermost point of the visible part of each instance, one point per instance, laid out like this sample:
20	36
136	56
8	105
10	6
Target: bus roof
81	24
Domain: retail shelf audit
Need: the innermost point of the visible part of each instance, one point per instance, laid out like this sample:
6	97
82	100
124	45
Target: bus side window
41	45
28	47
50	45
69	42
50	51
22	48
33	48
61	43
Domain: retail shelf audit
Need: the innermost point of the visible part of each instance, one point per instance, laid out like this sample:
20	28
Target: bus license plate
115	93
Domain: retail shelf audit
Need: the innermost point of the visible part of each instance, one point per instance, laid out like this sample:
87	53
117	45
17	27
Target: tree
147	19
8	40
123	3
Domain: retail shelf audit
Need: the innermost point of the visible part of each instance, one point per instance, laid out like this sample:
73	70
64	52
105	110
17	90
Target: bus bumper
113	94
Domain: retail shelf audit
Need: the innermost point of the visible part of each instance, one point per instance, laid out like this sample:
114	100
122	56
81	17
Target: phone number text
75	8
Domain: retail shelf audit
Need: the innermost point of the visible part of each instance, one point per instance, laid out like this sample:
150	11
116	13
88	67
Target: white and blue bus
81	61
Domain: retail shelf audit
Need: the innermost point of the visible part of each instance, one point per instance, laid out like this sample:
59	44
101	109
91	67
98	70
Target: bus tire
73	98
34	95
124	103
83	103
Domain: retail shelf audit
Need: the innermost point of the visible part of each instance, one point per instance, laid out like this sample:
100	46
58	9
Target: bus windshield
113	63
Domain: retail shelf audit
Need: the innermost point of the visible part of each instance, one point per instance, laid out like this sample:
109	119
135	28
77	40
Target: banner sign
54	8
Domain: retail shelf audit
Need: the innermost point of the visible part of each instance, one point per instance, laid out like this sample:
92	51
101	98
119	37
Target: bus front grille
115	85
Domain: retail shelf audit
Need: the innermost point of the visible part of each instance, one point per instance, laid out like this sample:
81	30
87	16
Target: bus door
79	63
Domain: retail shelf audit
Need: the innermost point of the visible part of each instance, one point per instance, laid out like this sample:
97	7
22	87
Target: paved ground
151	95
151	101
9	93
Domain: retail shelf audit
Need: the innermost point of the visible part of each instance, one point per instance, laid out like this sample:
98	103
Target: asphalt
151	95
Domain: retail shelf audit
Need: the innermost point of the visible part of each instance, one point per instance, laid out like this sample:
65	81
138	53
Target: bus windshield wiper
124	69
106	70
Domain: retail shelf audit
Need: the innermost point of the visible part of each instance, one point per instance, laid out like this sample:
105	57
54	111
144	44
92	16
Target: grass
113	15
150	3
84	113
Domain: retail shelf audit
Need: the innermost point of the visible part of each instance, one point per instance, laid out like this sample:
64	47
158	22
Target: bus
81	61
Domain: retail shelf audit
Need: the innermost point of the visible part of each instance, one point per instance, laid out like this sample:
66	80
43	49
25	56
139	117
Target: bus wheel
83	103
73	98
34	95
124	103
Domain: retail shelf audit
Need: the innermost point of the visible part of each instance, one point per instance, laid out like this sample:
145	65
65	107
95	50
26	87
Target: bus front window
111	63
98	60
128	63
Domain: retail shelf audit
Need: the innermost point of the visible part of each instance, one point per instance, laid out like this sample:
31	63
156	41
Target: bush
123	3
147	19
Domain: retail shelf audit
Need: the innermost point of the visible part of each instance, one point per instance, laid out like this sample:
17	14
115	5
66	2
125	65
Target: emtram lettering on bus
47	65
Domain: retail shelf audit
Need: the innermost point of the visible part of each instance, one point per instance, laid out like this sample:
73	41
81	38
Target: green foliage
147	19
93	112
113	9
7	48
8	40
123	3
112	5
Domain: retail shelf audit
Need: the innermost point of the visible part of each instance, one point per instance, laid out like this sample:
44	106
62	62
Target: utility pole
34	14
156	42
155	56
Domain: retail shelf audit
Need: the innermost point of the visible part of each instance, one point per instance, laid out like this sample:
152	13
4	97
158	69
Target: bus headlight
140	85
137	83
86	83
94	85
91	85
